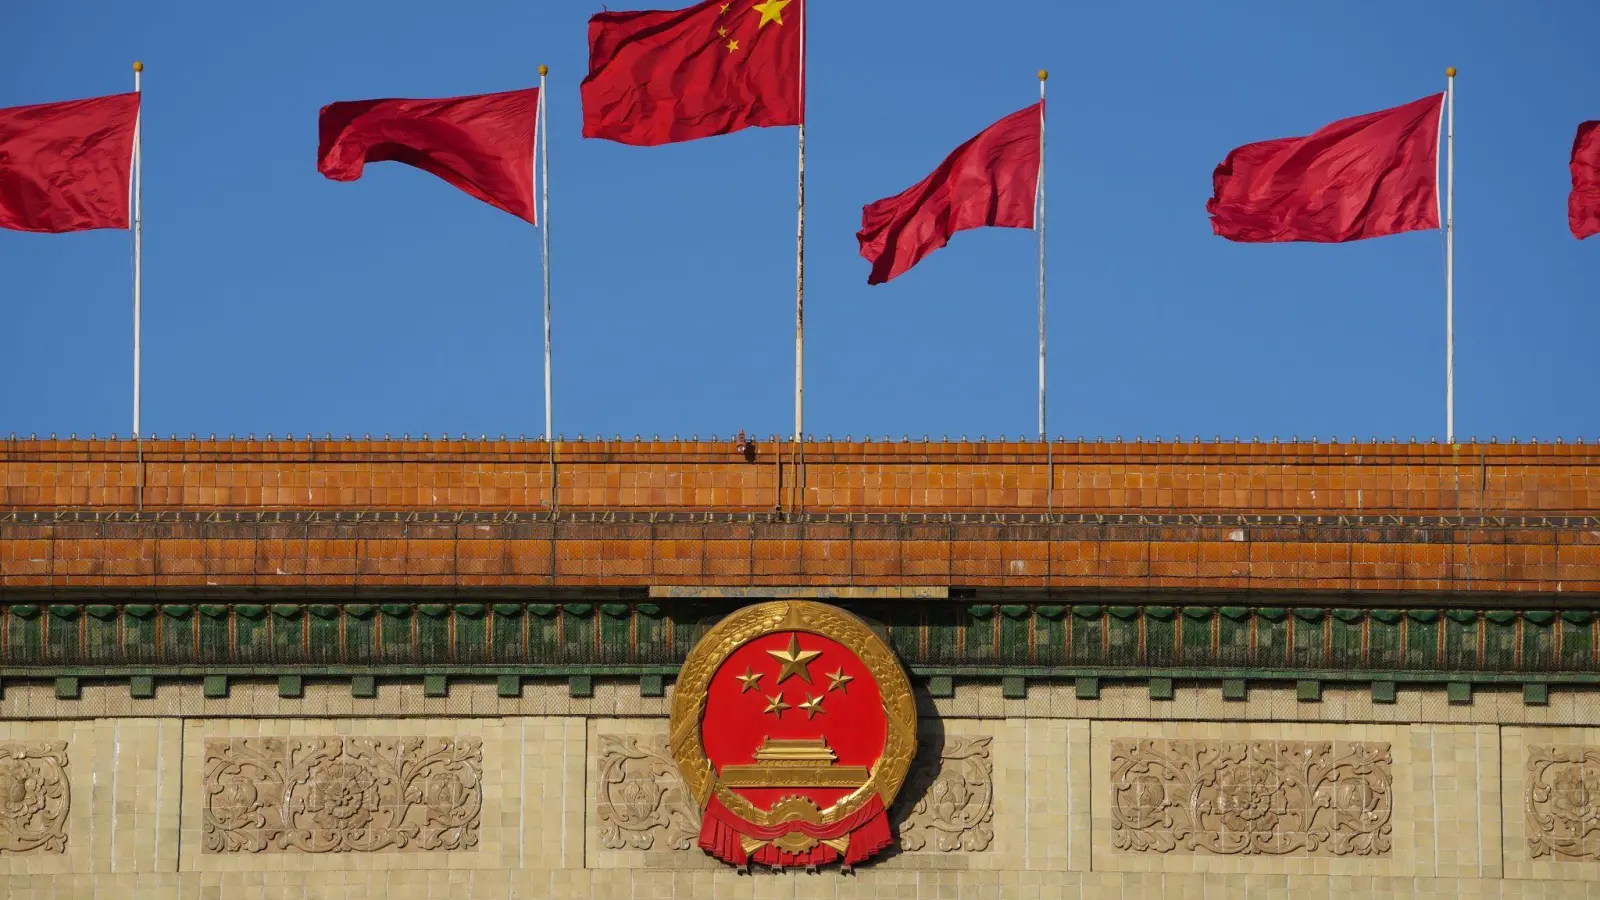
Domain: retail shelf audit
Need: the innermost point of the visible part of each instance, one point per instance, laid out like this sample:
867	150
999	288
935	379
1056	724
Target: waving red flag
665	76
482	144
1362	177
65	166
1583	205
992	179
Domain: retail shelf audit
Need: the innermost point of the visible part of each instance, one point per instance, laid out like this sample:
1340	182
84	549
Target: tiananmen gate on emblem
793	726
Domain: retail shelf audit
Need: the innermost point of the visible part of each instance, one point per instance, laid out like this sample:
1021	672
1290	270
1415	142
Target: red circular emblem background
847	712
794	727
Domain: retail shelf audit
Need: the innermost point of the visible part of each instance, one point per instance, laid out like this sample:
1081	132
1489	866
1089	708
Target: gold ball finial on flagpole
543	71
1043	75
1450	72
138	66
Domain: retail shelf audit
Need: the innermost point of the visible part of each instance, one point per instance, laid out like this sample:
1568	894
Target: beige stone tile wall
122	803
1401	859
1459	818
532	794
866	884
1454	774
1518	746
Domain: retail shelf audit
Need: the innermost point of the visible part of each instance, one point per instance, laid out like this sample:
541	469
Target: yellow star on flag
750	679
722	32
812	706
725	9
733	46
775	705
839	680
771	11
795	660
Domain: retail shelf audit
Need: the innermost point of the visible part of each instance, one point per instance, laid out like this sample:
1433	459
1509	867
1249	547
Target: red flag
482	144
990	180
1362	177
65	166
1583	206
665	76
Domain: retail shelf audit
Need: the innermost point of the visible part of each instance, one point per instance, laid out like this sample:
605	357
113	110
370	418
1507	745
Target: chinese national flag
665	76
65	166
1583	205
482	144
992	179
1362	177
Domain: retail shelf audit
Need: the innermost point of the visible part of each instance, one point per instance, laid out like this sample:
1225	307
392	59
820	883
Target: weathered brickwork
888	477
1348	517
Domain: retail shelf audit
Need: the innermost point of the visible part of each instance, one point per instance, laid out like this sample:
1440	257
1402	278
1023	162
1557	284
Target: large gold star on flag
771	11
795	660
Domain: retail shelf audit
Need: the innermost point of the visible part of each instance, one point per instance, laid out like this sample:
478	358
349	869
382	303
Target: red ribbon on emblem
867	830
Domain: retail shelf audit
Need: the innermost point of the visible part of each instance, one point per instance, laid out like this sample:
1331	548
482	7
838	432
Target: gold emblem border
823	620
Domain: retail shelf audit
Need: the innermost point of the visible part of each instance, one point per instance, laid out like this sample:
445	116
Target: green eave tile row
1014	683
954	636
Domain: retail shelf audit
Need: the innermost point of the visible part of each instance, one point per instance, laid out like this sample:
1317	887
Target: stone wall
476	795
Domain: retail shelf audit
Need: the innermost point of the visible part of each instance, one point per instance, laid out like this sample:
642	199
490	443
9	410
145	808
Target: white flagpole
544	229
1450	257
800	255
1039	215
138	242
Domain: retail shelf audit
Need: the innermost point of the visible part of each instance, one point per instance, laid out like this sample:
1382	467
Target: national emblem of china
793	726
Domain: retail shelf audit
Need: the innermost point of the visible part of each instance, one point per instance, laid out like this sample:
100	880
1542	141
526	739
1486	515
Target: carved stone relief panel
34	796
641	797
948	801
1563	803
342	794
1329	798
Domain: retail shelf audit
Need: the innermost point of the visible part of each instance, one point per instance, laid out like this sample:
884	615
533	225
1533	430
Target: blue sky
278	301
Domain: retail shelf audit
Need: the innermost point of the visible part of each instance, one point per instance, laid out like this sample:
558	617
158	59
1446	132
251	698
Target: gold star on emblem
795	660
840	679
775	705
733	46
750	679
812	706
771	11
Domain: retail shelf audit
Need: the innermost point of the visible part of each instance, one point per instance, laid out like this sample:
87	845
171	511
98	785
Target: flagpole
1043	77
544	230
800	254
138	281
138	244
1450	256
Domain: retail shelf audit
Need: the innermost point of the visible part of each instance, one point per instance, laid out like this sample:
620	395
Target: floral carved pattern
1563	803
34	796
641	795
337	795
952	784
1332	798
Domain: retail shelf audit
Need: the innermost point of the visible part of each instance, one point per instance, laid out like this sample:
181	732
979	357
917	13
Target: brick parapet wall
1296	517
910	477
